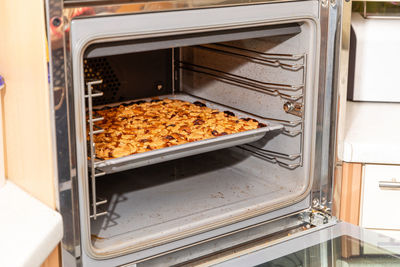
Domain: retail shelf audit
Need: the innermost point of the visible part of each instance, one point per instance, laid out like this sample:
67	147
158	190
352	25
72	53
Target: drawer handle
388	185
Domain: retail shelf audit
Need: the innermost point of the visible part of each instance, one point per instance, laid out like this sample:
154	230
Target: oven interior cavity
141	200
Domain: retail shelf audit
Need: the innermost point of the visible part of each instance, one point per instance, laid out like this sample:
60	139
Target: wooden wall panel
26	102
350	196
54	258
347	201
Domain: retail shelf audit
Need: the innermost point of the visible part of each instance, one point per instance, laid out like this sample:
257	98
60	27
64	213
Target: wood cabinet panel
54	258
350	193
26	99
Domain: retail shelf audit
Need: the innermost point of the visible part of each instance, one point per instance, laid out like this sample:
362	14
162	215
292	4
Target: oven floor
160	200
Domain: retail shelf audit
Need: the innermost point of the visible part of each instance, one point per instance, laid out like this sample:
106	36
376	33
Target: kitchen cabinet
370	199
350	193
380	197
371	167
370	146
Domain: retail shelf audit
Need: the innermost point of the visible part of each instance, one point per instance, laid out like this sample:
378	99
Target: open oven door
338	244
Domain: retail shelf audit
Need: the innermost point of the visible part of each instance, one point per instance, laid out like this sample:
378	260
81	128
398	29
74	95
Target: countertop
372	133
29	230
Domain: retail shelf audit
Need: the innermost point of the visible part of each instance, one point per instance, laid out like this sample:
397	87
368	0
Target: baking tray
187	149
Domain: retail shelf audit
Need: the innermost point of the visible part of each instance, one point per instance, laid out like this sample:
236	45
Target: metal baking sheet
187	149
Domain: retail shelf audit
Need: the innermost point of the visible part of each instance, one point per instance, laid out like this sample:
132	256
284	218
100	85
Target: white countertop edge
362	153
372	133
29	230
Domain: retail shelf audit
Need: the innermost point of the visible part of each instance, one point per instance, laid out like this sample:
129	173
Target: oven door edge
61	95
335	32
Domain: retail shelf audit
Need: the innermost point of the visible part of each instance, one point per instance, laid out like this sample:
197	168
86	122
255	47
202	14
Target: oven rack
289	62
276	156
270	59
292	93
272	156
101	167
94	172
274	89
192	148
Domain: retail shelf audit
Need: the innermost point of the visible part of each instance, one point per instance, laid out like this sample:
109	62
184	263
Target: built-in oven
134	196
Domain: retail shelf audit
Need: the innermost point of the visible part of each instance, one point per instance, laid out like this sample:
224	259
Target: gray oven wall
86	31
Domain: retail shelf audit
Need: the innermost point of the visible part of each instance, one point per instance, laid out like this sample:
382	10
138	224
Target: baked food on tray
143	126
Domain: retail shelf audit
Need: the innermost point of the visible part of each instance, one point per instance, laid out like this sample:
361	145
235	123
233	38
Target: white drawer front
381	199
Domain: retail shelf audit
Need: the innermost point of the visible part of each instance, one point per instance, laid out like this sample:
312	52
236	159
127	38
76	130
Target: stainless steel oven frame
332	66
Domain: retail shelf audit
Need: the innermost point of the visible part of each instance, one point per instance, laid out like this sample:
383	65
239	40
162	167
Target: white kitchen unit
381	197
375	44
371	144
372	139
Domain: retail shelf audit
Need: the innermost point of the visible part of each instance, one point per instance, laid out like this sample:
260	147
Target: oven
275	63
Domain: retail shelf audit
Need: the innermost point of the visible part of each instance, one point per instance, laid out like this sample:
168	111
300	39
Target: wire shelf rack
293	94
94	129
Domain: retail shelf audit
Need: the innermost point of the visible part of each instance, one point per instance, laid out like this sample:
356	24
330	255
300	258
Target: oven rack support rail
250	84
288	161
293	94
94	129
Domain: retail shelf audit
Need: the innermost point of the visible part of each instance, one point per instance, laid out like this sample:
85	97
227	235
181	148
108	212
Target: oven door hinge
316	217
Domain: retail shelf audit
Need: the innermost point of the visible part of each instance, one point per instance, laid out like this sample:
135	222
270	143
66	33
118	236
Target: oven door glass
339	245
